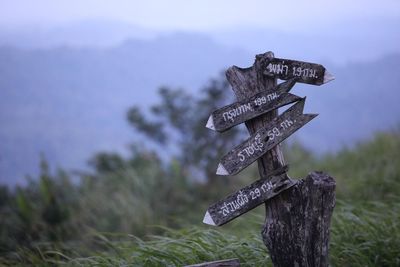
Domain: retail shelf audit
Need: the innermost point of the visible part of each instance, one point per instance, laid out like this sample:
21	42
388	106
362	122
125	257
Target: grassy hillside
366	235
99	221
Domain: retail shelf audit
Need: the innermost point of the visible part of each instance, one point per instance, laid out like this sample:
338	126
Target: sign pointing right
264	139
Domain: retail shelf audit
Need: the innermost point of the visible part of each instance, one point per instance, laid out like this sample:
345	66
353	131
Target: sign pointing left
264	139
226	117
246	199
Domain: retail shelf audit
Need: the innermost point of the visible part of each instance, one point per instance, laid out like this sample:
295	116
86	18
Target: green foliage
122	212
39	212
175	248
361	235
177	124
152	130
107	162
366	234
365	229
369	171
138	193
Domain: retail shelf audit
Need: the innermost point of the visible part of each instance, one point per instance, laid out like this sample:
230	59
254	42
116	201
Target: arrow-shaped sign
246	199
224	118
264	139
305	72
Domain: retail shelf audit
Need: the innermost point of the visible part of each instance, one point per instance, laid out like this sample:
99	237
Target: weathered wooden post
298	213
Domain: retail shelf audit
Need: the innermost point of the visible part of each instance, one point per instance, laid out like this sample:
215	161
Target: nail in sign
304	72
226	117
246	199
264	139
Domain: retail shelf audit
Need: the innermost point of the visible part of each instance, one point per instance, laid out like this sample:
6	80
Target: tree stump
296	230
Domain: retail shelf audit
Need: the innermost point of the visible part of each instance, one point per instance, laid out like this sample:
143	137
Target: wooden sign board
304	72
226	117
264	139
246	199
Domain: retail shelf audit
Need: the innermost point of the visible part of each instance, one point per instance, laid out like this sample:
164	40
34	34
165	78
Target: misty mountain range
347	41
70	101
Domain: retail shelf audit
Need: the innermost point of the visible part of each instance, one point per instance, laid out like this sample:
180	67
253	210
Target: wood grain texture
245	83
248	198
292	236
296	230
285	69
226	117
266	138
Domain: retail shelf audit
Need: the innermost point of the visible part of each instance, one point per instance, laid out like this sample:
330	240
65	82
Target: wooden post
296	230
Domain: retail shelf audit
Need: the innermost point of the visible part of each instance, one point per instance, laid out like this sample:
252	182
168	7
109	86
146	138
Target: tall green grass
107	219
361	235
366	234
368	171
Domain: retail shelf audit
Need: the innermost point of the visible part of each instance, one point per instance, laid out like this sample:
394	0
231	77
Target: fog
69	70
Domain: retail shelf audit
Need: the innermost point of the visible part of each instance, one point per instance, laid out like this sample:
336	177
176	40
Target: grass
365	227
365	234
175	248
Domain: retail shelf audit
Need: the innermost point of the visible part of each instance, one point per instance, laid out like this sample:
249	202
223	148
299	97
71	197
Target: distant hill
70	102
362	100
84	33
344	42
338	42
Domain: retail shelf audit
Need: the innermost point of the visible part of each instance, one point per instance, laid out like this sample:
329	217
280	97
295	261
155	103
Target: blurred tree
107	162
300	159
41	211
141	190
4	196
177	124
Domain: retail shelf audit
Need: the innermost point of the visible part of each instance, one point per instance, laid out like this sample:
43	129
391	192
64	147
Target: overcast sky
201	15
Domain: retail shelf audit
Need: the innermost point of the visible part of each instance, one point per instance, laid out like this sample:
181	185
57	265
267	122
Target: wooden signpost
305	72
264	139
247	198
241	111
296	230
